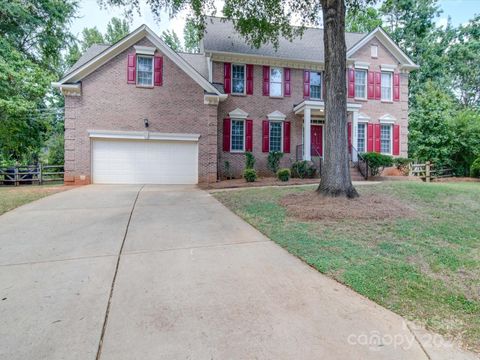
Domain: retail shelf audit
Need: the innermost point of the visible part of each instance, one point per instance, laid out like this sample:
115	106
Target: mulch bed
311	206
263	181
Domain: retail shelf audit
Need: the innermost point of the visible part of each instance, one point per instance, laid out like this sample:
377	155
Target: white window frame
321	84
275	82
365	86
281	135
231	135
244	80
391	138
365	136
136	70
391	86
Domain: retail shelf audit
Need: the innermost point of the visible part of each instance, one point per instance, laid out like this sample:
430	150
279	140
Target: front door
317	140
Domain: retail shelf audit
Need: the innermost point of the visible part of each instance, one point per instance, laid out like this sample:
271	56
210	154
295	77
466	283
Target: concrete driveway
166	272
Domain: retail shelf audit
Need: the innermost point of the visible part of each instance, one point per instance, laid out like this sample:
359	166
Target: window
361	132
238	79
238	135
275	136
386	139
387	86
361	84
276	81
315	85
374	51
145	70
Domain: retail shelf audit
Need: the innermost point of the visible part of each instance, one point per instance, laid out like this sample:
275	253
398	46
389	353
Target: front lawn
422	262
12	197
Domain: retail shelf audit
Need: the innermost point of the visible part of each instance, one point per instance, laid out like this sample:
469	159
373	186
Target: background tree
362	19
191	37
91	36
171	39
116	30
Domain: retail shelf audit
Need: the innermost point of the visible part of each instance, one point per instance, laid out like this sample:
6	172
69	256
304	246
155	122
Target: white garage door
144	162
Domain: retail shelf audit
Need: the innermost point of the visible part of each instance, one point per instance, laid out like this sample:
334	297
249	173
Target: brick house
138	112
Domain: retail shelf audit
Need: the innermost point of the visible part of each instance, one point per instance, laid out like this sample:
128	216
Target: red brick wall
258	106
109	103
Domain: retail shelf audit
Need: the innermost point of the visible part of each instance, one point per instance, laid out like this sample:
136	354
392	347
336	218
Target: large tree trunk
335	178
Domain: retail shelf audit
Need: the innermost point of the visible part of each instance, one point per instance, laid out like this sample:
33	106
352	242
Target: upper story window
238	136
387	86
238	79
144	70
276	77
315	85
361	137
386	139
275	135
361	84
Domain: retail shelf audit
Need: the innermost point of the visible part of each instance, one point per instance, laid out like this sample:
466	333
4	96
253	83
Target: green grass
425	267
13	197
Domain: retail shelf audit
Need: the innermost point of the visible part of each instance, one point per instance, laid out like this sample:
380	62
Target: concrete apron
194	281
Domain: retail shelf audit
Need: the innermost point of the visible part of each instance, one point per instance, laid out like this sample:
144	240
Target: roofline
125	43
407	63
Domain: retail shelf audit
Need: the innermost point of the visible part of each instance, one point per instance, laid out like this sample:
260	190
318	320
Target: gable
384	55
133	38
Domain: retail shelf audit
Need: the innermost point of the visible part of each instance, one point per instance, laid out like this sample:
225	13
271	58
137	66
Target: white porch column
307	141
354	134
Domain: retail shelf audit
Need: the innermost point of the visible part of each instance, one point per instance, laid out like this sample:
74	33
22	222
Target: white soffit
238	114
276	116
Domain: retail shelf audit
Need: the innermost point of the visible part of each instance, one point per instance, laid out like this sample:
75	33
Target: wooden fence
30	174
427	172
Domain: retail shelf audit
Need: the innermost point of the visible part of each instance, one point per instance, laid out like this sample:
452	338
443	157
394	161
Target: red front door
317	140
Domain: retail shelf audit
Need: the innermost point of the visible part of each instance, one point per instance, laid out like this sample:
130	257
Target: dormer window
144	70
238	79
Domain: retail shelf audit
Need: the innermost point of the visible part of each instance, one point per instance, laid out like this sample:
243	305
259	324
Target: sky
90	14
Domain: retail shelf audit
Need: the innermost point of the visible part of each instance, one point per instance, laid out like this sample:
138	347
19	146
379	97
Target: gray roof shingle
220	35
88	55
198	62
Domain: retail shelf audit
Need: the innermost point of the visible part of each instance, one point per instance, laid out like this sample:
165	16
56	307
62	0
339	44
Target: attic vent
374	51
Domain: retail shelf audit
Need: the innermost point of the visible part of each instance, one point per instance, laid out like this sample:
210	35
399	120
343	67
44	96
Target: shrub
302	169
283	174
402	164
475	168
250	175
249	160
273	160
377	161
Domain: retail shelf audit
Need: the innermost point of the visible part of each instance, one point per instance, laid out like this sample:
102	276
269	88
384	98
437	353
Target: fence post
15	172
427	171
40	166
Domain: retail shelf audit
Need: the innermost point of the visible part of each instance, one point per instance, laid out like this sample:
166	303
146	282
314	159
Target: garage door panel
144	162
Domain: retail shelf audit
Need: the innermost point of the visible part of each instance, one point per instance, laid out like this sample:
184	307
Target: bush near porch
422	262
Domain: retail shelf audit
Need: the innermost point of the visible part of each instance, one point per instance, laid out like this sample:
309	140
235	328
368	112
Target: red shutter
265	136
158	69
351	83
377	137
249	79
131	69
286	136
396	87
266	81
227	78
249	135
306	84
226	134
378	85
371	85
369	137
396	139
286	75
349	136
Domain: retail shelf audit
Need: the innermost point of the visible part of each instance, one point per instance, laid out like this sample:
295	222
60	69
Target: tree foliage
191	37
116	30
362	19
171	39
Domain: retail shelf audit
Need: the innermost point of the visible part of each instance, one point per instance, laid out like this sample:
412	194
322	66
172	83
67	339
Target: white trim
69	89
383	37
374	53
238	114
391	85
244	135
363	118
276	116
136	70
391	138
361	65
387	119
131	39
144	50
244	80
388	67
365	137
320	105
365	70
141	135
